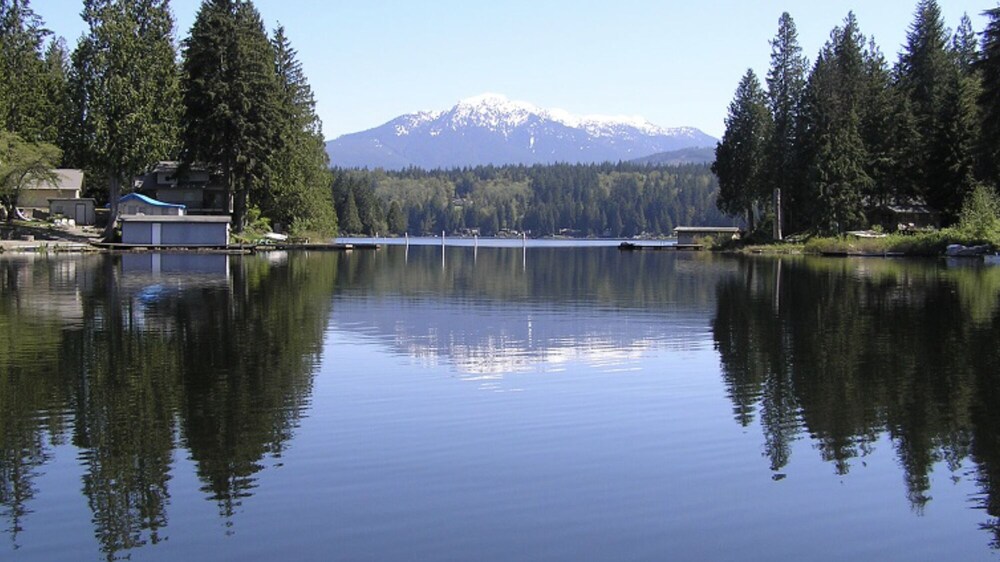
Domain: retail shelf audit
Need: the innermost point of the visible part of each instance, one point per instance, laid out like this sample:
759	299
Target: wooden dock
331	247
639	247
234	248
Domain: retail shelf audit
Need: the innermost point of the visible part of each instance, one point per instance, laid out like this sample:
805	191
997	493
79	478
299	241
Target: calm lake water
551	403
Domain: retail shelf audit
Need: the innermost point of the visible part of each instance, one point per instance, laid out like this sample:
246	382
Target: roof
149	201
176	218
696	229
911	209
171	166
66	178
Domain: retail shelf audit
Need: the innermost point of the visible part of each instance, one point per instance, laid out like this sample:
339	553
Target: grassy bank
926	244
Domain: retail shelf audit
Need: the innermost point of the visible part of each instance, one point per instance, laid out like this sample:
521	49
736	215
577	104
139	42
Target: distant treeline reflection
845	352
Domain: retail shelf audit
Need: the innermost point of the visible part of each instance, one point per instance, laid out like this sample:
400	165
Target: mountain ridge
491	129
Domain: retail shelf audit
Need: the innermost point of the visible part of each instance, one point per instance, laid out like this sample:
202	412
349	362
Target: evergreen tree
54	83
396	219
877	107
296	193
786	81
834	149
989	98
350	220
22	71
231	99
965	46
740	156
126	89
957	140
925	70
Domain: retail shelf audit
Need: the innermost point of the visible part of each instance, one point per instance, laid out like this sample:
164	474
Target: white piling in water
407	235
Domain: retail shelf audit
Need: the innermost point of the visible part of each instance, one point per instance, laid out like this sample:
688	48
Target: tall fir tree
876	112
231	98
350	219
740	162
56	100
23	84
395	219
125	84
957	137
834	149
989	98
924	72
786	82
965	46
958	140
297	192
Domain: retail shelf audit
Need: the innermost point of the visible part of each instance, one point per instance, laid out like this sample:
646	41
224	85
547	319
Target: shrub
980	217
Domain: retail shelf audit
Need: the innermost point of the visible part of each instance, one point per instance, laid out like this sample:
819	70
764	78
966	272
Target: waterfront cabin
907	216
690	235
81	210
197	186
139	204
180	231
67	185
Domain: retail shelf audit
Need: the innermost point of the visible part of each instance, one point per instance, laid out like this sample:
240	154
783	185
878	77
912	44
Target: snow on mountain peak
500	113
490	128
494	111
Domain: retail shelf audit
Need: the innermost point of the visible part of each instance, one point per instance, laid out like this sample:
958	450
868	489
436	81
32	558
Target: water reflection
489	312
144	366
130	359
844	352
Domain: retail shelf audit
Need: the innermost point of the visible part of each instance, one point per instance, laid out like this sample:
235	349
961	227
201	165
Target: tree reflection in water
845	351
135	365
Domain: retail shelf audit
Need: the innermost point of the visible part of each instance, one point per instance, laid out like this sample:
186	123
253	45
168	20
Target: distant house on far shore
68	185
196	187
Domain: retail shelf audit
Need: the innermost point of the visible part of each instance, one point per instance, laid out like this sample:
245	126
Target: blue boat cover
147	200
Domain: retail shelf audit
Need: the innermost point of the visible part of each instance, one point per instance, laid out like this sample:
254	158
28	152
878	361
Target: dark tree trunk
114	193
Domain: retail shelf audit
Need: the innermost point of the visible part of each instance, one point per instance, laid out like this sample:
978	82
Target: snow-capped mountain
491	129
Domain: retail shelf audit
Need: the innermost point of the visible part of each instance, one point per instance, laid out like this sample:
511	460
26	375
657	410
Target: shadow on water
845	351
133	357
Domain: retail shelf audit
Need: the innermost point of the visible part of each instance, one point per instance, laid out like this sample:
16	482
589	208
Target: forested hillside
562	199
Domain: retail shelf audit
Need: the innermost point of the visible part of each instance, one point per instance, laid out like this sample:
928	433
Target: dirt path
31	237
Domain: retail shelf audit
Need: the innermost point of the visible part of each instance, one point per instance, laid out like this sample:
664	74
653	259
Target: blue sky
674	62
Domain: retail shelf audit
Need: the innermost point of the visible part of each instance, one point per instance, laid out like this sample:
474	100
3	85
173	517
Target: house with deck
198	187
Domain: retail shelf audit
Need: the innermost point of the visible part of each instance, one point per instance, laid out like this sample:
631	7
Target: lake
498	403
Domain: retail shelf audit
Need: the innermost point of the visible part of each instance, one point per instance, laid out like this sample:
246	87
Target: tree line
823	146
621	199
231	96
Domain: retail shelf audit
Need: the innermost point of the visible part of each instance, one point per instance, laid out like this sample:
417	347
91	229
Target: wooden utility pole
777	214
